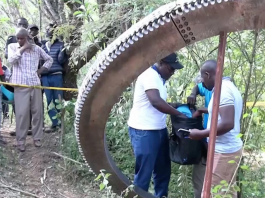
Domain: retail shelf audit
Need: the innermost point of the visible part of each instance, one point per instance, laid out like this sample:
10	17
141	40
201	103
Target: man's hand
27	45
39	71
182	115
196	114
196	134
191	99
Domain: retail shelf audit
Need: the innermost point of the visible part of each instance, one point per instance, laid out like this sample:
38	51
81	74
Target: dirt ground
37	171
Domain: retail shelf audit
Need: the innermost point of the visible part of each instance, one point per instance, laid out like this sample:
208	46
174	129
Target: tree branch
52	11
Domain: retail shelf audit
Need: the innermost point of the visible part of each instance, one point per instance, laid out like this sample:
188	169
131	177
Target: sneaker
21	147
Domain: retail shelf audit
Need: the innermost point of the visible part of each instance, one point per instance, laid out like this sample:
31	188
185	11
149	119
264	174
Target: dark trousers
55	80
151	150
5	109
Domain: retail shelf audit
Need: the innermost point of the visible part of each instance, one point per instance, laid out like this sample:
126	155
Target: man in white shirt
147	126
228	145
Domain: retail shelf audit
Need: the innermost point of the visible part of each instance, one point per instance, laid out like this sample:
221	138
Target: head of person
22	36
22	23
50	30
33	30
208	73
168	65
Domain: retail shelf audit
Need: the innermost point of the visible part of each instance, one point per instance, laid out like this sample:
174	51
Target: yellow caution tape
257	104
39	87
248	104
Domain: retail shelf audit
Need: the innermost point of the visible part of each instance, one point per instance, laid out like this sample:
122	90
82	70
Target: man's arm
227	123
62	57
161	105
13	54
226	111
192	98
2	76
47	61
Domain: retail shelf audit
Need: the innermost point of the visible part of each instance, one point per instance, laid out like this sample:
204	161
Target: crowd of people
149	135
33	62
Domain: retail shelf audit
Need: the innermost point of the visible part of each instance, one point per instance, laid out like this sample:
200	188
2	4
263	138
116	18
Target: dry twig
18	190
67	158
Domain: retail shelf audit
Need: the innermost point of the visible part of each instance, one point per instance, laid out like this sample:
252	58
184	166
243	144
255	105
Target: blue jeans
51	95
151	150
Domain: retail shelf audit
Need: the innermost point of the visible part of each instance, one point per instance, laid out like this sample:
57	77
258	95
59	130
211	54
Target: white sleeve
150	81
226	97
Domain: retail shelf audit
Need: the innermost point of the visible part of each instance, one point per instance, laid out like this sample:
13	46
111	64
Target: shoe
37	143
21	147
51	129
2	140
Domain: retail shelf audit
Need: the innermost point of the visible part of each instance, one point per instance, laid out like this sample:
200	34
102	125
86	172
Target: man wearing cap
147	126
33	34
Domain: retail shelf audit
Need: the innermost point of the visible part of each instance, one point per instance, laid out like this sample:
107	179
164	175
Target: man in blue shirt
202	91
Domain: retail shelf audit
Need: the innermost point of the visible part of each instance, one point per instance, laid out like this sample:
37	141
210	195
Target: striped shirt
25	66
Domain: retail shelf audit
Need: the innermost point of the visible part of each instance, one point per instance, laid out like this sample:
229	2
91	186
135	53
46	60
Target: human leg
224	171
198	174
2	140
48	93
37	115
57	81
22	96
145	146
5	110
162	168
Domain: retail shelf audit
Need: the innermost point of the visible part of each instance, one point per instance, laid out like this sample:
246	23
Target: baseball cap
33	26
173	61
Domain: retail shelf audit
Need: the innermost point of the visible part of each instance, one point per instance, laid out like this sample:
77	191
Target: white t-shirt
143	115
230	95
